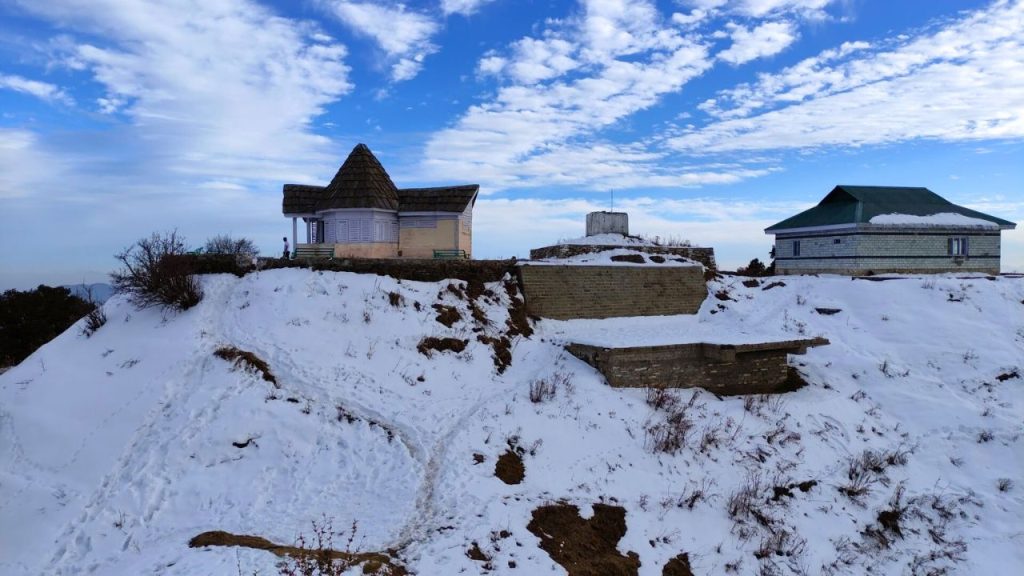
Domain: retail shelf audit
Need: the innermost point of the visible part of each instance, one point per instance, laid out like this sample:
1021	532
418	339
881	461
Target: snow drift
902	456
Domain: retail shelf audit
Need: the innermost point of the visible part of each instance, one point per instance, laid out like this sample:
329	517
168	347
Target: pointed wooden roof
361	182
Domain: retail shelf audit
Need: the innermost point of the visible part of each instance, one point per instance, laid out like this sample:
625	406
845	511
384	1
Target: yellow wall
366	250
421	242
466	239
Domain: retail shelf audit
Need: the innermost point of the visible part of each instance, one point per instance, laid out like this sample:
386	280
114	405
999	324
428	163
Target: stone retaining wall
720	368
568	292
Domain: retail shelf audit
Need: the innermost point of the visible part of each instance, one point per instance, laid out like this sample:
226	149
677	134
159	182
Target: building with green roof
878	229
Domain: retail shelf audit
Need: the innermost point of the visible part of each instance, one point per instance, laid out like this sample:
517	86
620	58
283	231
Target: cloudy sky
708	119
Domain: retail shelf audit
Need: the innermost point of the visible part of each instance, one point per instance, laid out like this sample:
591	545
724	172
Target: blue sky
709	119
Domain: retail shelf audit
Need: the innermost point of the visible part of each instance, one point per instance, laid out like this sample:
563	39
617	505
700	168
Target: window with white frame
958	246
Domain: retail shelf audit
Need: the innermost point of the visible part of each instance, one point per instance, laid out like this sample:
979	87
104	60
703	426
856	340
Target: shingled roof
301	199
362	182
440	199
859	204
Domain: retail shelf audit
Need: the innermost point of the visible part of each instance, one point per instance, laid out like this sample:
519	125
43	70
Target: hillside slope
903	455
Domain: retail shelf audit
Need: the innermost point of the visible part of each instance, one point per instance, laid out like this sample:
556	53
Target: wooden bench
450	254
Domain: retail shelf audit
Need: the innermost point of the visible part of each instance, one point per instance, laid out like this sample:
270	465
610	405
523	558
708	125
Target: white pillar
295	230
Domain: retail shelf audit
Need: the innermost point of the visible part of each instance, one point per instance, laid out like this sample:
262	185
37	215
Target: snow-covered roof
940	219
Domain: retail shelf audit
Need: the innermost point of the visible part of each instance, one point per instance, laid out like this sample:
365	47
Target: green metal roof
859	204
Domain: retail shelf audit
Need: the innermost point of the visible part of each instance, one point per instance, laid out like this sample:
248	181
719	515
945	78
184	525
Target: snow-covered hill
903	455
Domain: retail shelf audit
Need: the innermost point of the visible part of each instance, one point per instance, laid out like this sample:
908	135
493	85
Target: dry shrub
670	435
870	468
157	272
584	547
247	361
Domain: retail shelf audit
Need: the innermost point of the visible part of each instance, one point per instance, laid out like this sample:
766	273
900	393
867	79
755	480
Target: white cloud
24	165
42	90
464	7
578	77
767	39
222	87
403	35
760	8
963	81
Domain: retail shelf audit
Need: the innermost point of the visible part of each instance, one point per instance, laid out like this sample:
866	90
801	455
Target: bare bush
870	468
243	249
156	273
541	390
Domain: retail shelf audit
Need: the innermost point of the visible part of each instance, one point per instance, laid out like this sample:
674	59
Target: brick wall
567	292
722	369
705	256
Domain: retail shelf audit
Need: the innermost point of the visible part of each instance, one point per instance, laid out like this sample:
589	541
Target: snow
115	450
604	258
608	239
940	219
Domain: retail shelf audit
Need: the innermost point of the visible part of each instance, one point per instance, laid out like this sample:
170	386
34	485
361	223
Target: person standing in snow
287	253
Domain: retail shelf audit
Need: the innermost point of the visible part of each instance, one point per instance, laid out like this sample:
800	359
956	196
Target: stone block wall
721	369
705	256
569	292
876	249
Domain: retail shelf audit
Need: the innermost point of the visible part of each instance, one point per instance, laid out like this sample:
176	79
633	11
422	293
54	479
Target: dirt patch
430	344
779	284
509	468
828	311
584	547
502	348
1008	375
752	283
518	322
374	563
678	566
634	258
475	553
723	295
793	382
447	315
246	361
657	259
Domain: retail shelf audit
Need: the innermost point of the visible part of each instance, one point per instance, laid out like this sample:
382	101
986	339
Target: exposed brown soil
373	563
634	258
793	382
828	311
502	348
430	344
509	468
447	315
518	322
752	283
678	566
723	295
657	259
1008	375
584	547
778	284
246	361
475	553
